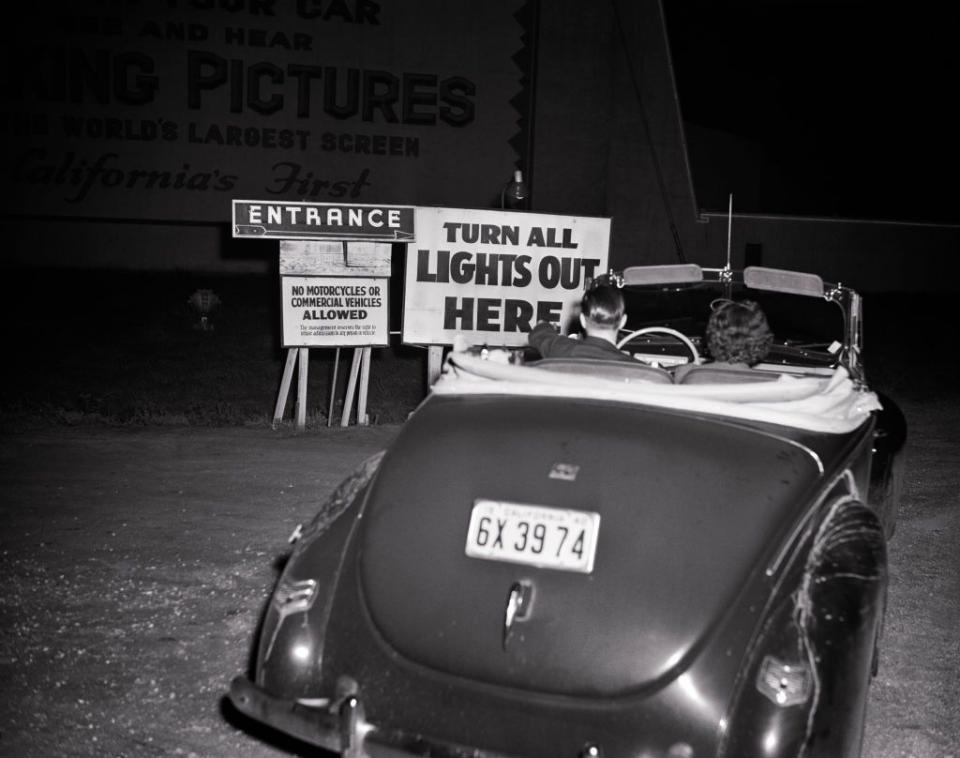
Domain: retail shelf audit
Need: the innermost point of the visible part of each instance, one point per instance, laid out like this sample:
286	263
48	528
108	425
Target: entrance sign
333	290
322	311
492	275
285	220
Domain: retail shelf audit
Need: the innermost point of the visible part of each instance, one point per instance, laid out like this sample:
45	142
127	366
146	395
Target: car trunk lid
688	508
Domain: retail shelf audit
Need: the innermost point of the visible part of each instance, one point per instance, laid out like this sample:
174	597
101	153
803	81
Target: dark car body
731	604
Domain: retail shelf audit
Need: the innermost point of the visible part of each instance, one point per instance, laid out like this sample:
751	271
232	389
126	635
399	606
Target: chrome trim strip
809	451
518	605
802	524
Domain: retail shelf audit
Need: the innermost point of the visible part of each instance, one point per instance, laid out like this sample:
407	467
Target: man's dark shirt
545	340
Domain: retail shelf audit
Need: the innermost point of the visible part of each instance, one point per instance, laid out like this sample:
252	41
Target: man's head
602	312
737	332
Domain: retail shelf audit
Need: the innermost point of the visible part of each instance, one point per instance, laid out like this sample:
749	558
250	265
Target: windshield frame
767	285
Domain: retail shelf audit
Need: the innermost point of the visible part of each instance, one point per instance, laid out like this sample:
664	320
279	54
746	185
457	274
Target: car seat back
617	370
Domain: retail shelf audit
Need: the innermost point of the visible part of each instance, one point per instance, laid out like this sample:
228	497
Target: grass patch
123	348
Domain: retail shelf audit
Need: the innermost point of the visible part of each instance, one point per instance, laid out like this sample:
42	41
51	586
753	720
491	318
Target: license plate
536	535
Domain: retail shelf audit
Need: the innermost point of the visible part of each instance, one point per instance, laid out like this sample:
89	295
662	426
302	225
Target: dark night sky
851	103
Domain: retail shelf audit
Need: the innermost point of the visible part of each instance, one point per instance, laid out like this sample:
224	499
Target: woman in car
737	338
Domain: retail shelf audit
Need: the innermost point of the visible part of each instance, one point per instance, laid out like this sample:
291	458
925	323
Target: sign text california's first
331	221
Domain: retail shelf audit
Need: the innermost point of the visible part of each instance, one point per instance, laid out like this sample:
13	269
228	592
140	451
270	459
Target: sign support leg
351	388
284	387
302	388
362	419
333	386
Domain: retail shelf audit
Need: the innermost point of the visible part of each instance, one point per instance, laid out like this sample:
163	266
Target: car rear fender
822	624
292	634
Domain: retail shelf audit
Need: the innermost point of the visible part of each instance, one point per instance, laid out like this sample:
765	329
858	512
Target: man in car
602	316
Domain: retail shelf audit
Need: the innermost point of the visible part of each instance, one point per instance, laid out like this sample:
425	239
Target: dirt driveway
135	563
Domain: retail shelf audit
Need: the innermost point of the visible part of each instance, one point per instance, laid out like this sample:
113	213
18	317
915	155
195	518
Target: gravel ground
136	563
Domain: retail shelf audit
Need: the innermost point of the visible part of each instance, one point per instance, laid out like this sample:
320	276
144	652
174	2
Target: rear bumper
340	726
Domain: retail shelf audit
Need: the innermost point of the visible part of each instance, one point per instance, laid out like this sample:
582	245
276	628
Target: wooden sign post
335	265
333	294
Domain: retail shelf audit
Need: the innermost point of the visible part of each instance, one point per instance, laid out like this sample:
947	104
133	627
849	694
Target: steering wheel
695	356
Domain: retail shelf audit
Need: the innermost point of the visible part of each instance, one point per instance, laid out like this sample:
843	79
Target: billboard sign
168	110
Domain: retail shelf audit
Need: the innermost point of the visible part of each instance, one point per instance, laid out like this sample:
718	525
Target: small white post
434	363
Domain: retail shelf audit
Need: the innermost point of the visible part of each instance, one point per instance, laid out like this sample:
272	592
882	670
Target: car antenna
726	275
729	227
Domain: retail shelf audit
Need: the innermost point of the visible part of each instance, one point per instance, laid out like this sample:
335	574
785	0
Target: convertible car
562	558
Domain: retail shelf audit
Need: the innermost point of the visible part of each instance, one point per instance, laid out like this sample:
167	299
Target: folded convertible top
834	404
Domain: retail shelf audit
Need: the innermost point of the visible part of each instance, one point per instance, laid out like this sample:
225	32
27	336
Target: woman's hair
603	304
737	332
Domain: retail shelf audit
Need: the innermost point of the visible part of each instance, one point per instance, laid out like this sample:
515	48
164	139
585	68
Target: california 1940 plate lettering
557	538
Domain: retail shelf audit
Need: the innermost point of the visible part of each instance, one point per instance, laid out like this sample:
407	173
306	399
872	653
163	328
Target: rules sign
323	311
